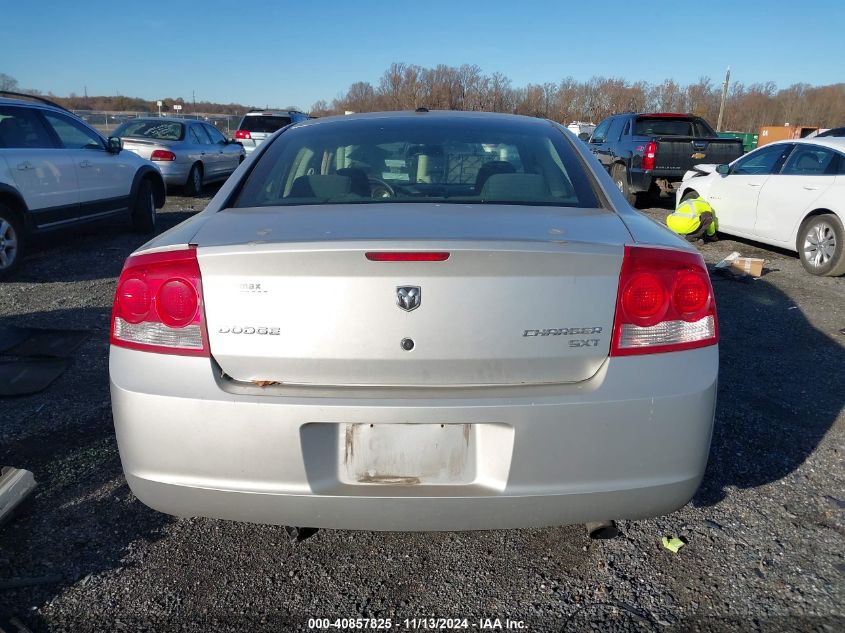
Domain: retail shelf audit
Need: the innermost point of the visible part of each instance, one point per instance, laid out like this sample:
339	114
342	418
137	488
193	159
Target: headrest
321	186
514	187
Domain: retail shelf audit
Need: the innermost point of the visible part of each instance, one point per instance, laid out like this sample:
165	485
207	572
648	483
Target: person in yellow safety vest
694	219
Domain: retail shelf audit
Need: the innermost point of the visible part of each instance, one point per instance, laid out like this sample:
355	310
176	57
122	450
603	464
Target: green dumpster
749	139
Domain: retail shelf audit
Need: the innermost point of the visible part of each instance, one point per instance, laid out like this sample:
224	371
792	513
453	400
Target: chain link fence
106	122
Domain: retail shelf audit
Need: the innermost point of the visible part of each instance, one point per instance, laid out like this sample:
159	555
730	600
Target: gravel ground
764	533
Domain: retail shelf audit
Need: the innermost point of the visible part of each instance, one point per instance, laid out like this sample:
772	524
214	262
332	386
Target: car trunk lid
526	296
144	147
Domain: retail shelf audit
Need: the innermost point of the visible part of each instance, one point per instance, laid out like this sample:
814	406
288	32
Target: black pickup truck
649	153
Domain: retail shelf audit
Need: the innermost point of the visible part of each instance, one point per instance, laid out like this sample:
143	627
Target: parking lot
764	534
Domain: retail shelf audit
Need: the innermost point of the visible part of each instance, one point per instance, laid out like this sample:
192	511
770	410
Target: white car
789	194
56	171
258	125
578	128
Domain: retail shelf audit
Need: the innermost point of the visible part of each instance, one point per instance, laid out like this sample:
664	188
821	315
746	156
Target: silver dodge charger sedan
415	321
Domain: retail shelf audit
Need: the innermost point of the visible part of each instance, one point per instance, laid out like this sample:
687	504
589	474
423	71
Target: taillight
158	305
162	154
243	134
665	303
648	155
644	299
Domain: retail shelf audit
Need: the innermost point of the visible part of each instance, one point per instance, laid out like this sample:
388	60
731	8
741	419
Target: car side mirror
723	169
584	136
114	144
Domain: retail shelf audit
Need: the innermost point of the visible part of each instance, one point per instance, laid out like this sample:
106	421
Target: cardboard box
748	265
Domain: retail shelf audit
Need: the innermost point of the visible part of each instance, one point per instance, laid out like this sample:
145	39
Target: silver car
188	153
416	321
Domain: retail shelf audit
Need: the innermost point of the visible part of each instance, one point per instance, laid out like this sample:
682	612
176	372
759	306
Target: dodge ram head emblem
408	297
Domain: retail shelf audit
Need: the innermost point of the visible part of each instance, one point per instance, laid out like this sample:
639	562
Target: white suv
257	125
56	171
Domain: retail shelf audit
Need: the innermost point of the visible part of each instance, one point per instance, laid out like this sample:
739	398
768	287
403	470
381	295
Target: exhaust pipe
602	530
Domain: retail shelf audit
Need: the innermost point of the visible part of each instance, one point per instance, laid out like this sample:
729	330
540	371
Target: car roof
273	112
441	115
666	115
833	142
33	104
164	118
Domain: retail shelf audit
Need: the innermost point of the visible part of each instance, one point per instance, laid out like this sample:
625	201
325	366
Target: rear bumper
631	442
640	180
175	173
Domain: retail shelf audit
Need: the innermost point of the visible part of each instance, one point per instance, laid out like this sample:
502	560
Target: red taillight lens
162	154
644	298
648	156
406	257
691	293
158	305
243	134
177	302
665	303
133	295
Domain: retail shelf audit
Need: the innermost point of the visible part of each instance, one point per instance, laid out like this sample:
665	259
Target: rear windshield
156	129
836	132
264	123
662	126
415	159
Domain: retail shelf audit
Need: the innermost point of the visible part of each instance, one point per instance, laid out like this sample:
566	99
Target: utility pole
194	99
724	98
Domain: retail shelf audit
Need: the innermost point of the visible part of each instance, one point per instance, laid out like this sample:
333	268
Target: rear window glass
660	126
412	159
156	129
836	132
264	123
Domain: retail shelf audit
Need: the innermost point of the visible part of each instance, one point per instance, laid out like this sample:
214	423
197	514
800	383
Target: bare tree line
120	103
466	87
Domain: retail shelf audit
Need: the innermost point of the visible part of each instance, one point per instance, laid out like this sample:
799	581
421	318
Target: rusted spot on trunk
265	383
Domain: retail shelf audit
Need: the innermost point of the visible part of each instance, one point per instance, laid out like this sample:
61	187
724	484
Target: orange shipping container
772	133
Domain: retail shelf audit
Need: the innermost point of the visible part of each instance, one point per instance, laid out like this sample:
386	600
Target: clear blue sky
285	53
